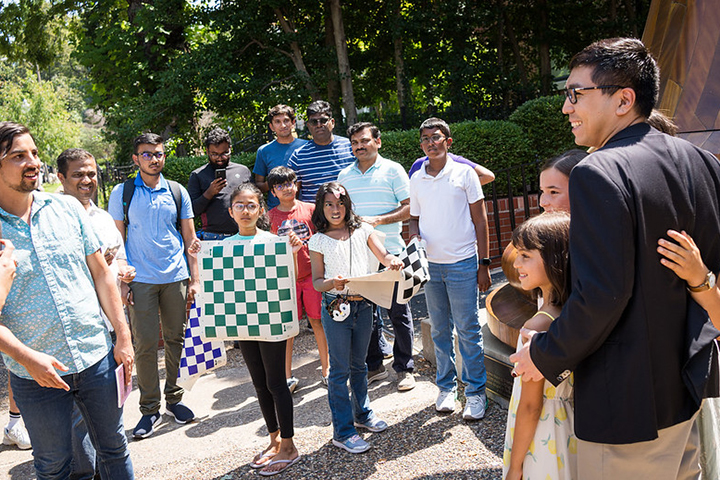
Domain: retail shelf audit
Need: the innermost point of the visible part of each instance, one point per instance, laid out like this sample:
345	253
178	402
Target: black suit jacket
638	344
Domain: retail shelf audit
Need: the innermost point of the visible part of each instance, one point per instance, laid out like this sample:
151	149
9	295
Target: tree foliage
178	67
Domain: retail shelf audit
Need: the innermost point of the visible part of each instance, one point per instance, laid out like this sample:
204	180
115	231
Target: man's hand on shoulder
524	365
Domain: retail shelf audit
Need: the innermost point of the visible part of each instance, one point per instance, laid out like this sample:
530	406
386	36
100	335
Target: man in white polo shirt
380	192
447	210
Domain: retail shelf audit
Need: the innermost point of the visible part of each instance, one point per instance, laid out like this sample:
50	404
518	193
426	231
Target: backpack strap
129	190
177	196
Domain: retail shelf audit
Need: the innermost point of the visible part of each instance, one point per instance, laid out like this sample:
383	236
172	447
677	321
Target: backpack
129	190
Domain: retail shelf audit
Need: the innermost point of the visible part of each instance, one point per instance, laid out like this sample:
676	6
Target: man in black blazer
638	344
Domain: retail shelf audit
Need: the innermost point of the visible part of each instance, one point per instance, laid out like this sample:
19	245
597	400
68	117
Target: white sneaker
292	384
445	401
475	407
18	435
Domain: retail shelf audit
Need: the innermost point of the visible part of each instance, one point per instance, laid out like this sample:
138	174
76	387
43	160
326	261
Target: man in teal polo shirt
158	251
380	192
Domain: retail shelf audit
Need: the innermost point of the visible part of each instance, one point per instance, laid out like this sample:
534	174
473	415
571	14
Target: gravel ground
420	443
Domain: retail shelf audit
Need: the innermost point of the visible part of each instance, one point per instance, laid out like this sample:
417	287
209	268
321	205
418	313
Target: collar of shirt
374	166
162	184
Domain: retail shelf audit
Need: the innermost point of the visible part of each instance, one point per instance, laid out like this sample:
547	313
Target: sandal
288	464
256	462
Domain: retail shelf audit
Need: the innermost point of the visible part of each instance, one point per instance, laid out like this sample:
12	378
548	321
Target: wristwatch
706	285
485	261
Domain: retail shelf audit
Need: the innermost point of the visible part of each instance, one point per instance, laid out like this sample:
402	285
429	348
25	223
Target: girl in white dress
539	439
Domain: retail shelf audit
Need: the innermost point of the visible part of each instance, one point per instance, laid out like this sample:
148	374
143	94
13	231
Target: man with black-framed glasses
159	245
211	185
641	349
320	160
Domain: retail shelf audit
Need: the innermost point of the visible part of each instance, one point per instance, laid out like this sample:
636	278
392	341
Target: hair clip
338	191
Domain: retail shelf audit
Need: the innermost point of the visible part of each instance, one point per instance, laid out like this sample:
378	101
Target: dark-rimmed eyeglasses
432	139
571	93
216	156
250	207
284	186
149	155
314	122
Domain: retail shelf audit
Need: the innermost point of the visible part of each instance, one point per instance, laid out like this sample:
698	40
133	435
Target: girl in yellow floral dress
539	440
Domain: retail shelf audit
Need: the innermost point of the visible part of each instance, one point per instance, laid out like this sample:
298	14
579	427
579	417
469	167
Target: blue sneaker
354	444
181	413
146	425
374	425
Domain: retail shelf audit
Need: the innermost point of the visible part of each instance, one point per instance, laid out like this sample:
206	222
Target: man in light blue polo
53	340
380	192
157	245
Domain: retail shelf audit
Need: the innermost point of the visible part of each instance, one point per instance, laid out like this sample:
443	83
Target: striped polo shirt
318	164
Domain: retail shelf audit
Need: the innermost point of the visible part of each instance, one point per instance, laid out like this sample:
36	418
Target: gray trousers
155	304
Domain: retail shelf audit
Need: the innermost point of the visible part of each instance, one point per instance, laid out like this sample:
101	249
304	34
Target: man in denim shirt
52	337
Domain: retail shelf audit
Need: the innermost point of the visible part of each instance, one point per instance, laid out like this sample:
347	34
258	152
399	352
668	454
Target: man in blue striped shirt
320	160
380	191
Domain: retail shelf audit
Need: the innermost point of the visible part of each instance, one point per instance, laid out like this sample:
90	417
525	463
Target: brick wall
499	240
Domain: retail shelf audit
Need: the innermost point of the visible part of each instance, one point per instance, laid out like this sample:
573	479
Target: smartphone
220	173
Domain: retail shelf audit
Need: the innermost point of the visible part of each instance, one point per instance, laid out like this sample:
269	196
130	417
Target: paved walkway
420	444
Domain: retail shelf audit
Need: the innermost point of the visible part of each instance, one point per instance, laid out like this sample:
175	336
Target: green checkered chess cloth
248	290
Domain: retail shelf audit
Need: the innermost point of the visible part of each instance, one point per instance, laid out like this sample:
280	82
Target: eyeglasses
250	207
284	186
571	93
215	156
150	155
432	139
314	122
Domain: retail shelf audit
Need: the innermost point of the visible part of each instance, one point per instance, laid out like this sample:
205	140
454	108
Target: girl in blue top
266	360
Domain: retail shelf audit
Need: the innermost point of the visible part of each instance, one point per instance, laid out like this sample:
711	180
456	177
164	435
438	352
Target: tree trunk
400	82
522	72
331	72
544	48
343	63
296	56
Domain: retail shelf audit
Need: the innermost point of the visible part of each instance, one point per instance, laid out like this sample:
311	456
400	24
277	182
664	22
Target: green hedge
545	125
180	168
537	130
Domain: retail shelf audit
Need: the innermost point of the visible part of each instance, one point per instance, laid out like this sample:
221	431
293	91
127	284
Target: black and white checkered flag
415	271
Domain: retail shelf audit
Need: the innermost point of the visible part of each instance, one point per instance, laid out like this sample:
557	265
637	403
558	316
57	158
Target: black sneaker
146	425
378	374
181	413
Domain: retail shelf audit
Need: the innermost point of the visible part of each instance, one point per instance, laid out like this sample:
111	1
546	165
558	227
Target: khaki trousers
674	455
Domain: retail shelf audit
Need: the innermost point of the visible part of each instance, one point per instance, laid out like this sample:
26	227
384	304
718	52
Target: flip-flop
288	464
263	455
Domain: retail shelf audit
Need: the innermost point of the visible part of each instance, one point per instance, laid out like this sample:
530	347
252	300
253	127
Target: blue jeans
452	301
402	349
48	417
347	344
84	458
203	235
